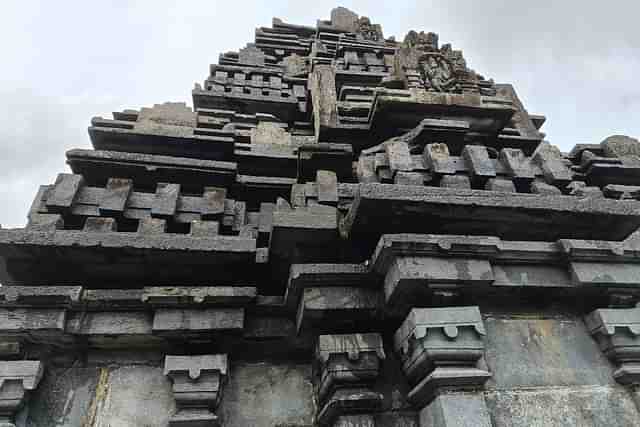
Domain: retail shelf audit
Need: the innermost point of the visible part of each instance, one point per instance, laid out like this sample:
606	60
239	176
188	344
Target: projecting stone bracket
440	349
198	382
617	332
348	365
17	378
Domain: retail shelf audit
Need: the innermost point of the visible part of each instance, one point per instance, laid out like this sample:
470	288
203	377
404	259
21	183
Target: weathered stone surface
460	182
115	196
245	226
244	400
184	321
31	319
429	337
213	199
591	406
543	188
412	279
98	166
205	295
327	307
61	266
518	166
198	383
61	196
616	331
550	160
165	200
478	161
16	379
204	228
543	351
500	185
380	208
100	225
620	146
323	94
327	183
463	410
348	361
436	157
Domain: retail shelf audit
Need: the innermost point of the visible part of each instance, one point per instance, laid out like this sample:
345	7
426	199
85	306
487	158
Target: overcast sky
575	61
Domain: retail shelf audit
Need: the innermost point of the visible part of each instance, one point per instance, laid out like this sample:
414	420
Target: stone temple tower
346	230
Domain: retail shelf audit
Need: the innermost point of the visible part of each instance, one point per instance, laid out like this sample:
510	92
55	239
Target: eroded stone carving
440	349
198	383
347	367
17	378
617	332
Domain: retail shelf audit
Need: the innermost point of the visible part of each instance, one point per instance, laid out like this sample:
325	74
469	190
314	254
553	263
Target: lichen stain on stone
102	390
543	335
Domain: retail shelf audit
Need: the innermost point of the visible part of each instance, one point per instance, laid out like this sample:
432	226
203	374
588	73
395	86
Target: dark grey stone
115	195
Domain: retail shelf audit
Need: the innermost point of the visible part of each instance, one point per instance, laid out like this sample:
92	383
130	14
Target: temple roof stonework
372	212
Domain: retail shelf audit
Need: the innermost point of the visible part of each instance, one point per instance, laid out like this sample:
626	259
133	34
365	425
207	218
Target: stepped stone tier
346	230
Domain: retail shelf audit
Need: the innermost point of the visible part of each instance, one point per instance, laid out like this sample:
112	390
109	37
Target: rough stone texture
589	406
458	410
244	402
261	259
128	396
378	207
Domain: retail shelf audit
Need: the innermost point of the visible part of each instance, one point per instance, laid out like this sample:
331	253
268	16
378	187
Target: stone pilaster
440	349
348	365
617	332
17	378
198	383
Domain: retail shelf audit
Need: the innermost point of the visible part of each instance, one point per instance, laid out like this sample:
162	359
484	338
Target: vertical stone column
198	383
348	365
440	349
17	378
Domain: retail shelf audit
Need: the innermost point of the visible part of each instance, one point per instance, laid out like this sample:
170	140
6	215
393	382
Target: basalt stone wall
345	230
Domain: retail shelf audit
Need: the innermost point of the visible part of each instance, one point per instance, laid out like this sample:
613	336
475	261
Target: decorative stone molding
348	365
439	349
16	379
198	383
617	332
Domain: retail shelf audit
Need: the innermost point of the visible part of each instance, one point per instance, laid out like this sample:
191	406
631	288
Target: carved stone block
198	383
348	365
517	164
115	196
166	200
549	158
436	157
439	349
477	159
16	379
61	196
617	332
431	337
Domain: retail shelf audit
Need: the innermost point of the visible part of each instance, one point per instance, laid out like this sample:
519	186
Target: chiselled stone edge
421	320
29	372
194	366
350	344
608	321
79	298
449	378
68	238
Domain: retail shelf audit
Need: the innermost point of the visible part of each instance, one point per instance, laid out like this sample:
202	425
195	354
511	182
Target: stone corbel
198	383
348	365
617	332
440	349
17	378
